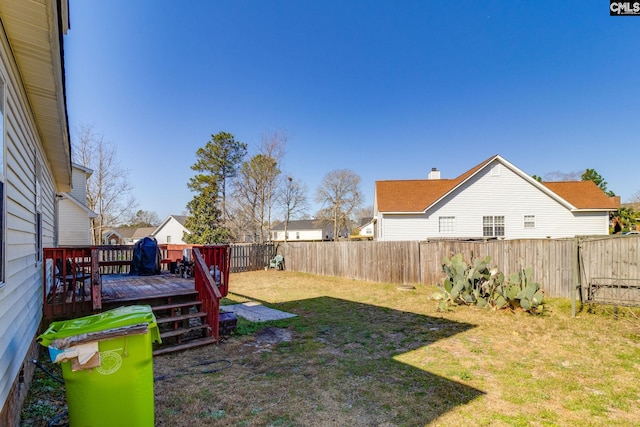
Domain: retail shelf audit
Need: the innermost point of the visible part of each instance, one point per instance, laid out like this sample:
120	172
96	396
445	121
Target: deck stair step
182	331
182	323
184	346
180	317
165	307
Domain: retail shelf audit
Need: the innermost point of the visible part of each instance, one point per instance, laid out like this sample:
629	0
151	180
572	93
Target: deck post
96	285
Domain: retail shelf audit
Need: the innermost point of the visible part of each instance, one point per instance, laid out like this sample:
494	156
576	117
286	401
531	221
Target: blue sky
388	89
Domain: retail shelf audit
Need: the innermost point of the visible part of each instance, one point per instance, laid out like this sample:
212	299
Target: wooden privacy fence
554	261
251	256
609	270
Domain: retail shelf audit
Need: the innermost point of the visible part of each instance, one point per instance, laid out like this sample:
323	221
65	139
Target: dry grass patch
365	354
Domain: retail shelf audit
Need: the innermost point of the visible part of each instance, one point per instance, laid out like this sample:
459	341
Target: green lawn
365	354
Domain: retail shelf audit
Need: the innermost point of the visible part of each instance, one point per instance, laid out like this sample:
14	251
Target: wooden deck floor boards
123	287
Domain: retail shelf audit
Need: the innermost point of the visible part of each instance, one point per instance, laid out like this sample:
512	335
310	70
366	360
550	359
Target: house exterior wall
172	229
367	230
494	193
79	185
21	295
299	235
73	224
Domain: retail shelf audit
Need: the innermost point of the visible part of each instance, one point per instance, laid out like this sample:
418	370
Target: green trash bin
107	366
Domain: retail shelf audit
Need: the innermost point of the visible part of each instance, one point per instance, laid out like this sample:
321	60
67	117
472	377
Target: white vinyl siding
508	194
79	178
21	296
73	224
2	192
303	235
406	227
171	231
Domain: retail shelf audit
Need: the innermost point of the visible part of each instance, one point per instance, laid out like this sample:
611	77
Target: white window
168	239
495	170
529	221
447	224
493	226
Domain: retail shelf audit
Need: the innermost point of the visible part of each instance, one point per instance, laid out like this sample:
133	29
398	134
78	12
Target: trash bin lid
111	319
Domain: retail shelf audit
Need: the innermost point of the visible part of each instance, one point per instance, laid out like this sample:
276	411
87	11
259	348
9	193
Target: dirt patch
268	338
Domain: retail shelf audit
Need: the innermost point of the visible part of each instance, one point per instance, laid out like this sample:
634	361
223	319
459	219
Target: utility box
107	366
227	323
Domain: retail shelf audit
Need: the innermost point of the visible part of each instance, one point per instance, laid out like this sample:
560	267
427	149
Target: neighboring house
126	235
171	230
74	225
494	199
304	230
35	166
366	228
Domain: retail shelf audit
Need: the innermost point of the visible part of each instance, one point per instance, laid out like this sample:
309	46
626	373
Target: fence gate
609	270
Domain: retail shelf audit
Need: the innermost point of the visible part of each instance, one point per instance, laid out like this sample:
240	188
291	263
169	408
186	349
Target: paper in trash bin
82	356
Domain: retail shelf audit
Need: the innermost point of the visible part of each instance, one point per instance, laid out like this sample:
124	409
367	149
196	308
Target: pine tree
221	157
216	162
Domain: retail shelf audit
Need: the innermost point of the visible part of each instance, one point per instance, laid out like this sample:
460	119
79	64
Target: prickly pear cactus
477	284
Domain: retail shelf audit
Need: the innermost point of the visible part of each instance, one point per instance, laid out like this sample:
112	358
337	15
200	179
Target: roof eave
402	213
39	54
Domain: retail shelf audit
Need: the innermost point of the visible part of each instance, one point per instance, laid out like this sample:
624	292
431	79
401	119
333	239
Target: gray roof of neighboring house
365	221
133	232
180	218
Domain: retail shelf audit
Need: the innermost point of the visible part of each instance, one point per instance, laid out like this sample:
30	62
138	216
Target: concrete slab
256	312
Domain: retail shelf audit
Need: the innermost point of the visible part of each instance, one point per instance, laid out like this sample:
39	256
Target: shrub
477	284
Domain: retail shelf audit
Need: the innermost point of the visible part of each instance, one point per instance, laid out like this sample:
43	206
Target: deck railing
71	281
73	284
211	275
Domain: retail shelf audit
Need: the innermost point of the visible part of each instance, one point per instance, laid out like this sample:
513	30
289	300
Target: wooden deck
80	281
124	288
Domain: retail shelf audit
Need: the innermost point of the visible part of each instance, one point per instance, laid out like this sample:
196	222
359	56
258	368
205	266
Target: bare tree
108	189
144	219
364	212
253	193
339	195
273	147
293	200
239	220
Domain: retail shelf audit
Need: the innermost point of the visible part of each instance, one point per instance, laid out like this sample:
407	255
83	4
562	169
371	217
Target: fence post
576	275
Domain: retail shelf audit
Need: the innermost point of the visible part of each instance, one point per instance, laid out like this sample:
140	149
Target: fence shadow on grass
360	344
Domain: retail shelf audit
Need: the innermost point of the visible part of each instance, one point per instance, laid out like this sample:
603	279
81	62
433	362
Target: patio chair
75	278
277	262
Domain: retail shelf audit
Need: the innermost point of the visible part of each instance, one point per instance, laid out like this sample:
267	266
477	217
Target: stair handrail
209	292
